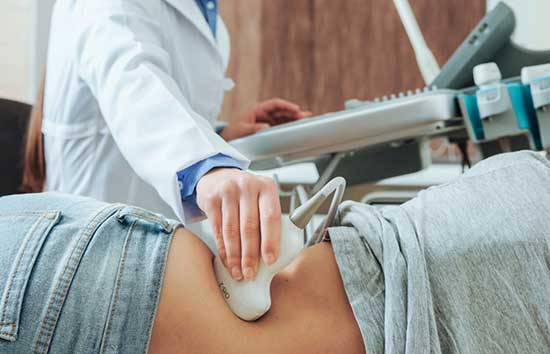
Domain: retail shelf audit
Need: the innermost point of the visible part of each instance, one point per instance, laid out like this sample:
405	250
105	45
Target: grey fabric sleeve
462	268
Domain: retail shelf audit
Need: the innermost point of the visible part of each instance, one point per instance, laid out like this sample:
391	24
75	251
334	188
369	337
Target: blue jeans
79	276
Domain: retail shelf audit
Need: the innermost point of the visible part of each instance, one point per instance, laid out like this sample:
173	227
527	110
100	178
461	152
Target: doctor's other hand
264	115
245	213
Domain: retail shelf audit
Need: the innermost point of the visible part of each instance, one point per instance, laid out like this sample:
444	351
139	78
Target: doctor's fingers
281	117
213	211
270	222
278	104
250	233
231	230
265	110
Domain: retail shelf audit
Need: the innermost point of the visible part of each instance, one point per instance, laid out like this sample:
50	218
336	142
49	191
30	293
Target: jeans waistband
130	214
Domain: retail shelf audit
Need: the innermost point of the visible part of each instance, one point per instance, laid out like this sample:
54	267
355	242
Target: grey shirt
462	268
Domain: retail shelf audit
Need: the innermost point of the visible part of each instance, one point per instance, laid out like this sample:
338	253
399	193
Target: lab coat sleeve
190	177
125	65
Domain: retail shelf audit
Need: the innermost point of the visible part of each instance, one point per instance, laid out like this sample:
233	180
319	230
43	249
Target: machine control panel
362	124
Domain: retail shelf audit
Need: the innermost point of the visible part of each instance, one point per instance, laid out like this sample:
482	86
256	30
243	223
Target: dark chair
14	117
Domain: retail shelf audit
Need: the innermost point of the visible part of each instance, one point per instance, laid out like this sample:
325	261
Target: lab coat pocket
22	237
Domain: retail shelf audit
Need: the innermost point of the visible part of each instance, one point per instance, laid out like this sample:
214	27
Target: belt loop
142	214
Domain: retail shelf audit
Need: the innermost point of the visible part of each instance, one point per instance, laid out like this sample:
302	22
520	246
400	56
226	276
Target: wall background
15	56
320	53
24	27
316	52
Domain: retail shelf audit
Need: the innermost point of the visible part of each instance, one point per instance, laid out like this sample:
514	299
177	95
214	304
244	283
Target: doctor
132	93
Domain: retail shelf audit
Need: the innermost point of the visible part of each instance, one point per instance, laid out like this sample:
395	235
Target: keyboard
363	123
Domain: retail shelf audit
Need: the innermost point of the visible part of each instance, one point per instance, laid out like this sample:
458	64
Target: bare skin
310	312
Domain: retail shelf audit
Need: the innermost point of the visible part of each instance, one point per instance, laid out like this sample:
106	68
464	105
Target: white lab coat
133	90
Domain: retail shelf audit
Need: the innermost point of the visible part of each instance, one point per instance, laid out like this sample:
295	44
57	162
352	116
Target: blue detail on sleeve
220	129
189	178
209	9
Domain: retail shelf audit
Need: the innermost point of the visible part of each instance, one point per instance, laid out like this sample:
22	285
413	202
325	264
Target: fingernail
236	273
248	273
269	258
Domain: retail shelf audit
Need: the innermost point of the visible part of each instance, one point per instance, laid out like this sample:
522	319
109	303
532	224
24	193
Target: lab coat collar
191	11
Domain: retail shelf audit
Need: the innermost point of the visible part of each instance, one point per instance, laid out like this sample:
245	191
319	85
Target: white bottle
492	96
538	79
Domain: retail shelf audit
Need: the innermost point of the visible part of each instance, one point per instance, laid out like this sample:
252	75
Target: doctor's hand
264	115
245	213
